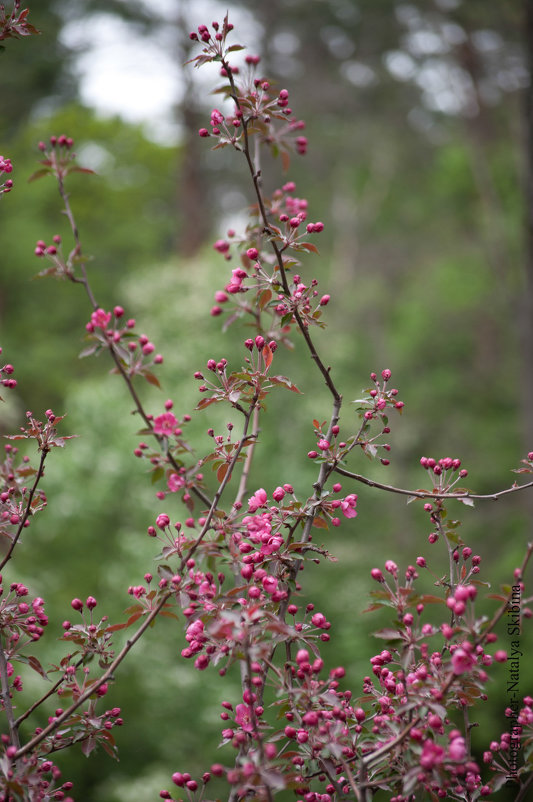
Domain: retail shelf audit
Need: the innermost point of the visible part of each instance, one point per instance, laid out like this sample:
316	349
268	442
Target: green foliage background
424	266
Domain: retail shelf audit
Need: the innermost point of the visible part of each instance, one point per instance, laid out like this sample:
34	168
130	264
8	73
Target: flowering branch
435	494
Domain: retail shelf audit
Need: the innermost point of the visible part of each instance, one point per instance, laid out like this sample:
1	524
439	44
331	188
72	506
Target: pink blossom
100	318
175	482
243	717
457	749
165	424
259	499
462	661
348	505
432	755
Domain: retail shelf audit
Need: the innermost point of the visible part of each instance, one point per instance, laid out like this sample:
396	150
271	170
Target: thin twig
6	697
27	511
111	347
427	493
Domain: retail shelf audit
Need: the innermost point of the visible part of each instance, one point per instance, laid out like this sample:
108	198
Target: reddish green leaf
308	246
151	379
39	174
283	381
35	664
205	402
77	169
88	745
267	356
264	298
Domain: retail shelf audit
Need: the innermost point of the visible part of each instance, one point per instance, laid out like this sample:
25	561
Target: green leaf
157	474
39	174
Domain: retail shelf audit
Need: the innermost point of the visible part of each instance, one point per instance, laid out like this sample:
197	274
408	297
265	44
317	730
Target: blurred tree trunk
193	206
526	380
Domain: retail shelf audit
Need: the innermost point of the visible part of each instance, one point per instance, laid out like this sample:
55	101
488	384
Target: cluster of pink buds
107	330
42	249
36	778
214	40
304	300
59	158
5	167
62	141
444	472
6	374
260	351
21	617
382	397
